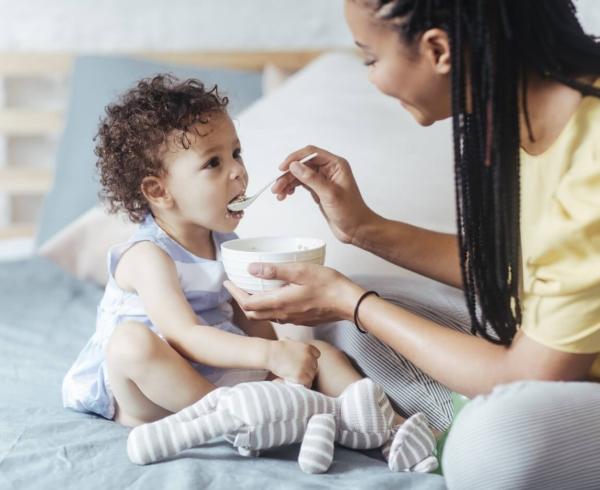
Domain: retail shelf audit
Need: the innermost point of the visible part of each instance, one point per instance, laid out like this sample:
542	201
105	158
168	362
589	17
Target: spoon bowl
242	203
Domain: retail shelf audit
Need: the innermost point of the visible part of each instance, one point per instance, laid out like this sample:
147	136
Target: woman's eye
370	62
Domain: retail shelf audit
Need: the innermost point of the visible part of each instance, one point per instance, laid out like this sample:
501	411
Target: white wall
589	14
129	25
126	25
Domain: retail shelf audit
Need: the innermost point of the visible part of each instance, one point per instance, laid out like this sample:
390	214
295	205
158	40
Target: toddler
167	331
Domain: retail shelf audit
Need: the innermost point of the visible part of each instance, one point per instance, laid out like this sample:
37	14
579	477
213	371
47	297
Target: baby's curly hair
137	128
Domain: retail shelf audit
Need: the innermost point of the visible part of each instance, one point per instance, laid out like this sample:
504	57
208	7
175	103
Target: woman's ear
155	192
435	45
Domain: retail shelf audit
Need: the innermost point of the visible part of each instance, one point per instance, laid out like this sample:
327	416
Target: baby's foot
412	446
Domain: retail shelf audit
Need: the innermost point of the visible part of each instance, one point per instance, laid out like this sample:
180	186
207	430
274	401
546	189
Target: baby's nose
239	172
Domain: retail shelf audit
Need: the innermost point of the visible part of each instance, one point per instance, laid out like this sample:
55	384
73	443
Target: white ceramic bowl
238	254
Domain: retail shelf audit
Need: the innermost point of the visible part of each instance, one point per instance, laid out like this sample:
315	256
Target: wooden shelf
22	122
44	64
16	179
18	230
248	60
34	64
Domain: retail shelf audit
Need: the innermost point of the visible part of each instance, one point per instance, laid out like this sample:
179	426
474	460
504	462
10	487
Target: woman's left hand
314	294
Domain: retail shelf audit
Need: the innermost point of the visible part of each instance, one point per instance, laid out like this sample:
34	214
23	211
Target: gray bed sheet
45	318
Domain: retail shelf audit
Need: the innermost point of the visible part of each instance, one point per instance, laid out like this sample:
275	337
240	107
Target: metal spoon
242	203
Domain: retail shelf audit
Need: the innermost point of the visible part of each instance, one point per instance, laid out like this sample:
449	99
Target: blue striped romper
86	387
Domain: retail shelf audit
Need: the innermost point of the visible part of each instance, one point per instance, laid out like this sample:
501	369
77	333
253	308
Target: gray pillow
96	81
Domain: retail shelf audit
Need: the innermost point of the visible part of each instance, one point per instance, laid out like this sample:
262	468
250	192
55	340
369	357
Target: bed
47	314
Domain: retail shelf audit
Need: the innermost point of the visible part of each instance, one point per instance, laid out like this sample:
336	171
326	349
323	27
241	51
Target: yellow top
560	237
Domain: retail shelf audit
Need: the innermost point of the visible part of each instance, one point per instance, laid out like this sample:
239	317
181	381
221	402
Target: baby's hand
294	361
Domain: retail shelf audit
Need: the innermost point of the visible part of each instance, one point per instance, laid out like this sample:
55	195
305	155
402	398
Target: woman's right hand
293	360
329	179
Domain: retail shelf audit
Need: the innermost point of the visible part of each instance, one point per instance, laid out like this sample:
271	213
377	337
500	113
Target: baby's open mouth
236	214
239	197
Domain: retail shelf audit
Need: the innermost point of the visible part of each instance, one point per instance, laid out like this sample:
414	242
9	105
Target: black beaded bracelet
360	300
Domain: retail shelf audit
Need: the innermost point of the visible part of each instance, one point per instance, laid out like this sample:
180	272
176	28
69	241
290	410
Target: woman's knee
469	441
518	437
131	344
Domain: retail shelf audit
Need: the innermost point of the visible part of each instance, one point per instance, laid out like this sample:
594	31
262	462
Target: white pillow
82	246
404	171
273	77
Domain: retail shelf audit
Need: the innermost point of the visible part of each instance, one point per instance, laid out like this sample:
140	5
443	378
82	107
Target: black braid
504	40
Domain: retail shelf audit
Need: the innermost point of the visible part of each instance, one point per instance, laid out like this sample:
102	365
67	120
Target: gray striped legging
525	435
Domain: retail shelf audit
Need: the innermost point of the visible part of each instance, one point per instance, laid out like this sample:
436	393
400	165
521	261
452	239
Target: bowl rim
321	245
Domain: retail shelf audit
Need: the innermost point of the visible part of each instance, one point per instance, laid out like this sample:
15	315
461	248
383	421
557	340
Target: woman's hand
330	181
293	360
314	294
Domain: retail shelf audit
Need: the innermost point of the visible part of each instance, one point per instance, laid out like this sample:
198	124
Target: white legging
526	435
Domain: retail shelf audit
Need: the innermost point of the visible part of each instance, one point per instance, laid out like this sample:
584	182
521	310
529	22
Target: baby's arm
151	273
265	330
254	328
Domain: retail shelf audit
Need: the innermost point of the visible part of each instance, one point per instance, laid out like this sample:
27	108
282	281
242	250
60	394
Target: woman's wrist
347	299
372	221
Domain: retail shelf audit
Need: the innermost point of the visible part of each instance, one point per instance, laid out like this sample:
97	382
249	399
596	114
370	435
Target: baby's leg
148	378
335	371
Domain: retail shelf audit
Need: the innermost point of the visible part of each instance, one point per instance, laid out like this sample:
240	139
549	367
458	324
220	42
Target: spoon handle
309	157
303	160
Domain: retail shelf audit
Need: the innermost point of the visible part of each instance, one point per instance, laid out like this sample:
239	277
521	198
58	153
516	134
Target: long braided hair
495	44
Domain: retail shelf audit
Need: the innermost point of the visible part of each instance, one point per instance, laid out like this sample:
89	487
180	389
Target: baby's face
208	175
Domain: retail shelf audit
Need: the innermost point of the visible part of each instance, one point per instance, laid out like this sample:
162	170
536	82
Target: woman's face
418	75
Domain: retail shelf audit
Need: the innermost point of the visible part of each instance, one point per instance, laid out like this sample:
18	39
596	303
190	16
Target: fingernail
254	269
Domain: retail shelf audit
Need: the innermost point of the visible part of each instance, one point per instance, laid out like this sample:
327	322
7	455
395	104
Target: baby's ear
155	191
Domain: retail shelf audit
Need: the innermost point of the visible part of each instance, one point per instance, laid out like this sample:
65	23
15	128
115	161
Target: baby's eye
213	163
237	153
370	62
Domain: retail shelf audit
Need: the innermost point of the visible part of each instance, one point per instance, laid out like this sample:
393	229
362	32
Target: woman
519	79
